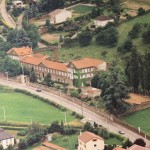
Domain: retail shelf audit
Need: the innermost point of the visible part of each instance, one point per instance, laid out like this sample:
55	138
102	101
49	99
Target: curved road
75	107
5	15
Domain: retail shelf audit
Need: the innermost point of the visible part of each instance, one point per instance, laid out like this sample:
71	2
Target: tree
134	77
114	98
126	143
94	81
49	5
33	34
107	37
141	11
23	39
135	30
55	127
18	38
146	72
84	38
126	47
32	76
34	128
146	36
5	46
140	142
48	81
11	66
22	144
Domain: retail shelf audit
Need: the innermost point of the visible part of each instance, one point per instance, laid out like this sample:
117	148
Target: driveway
77	108
5	15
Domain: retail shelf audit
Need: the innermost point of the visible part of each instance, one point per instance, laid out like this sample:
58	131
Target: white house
90	141
18	4
59	15
6	139
102	21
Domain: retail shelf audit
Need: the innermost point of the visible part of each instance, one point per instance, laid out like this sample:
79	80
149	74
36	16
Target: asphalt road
68	104
5	15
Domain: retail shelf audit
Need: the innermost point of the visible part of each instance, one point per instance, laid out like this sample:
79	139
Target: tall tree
134	76
114	98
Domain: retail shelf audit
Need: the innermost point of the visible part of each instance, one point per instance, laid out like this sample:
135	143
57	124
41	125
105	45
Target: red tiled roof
86	63
87	136
38	55
137	147
55	65
21	51
103	18
49	64
53	146
31	60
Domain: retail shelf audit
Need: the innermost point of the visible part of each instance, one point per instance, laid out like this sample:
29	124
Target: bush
22	144
22	133
60	28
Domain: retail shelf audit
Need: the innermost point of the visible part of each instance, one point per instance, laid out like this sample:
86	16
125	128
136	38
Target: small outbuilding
102	21
59	16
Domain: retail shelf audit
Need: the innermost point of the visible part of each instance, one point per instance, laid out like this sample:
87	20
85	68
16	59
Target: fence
126	125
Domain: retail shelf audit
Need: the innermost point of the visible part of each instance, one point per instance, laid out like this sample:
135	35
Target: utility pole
65	117
4	113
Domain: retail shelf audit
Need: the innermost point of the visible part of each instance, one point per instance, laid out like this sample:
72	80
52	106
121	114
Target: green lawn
140	119
94	50
22	108
82	9
68	142
113	141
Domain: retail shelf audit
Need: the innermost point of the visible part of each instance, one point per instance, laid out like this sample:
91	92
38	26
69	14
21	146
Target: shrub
60	28
22	133
22	144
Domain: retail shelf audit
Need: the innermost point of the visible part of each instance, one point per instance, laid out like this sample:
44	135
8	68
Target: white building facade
90	141
59	16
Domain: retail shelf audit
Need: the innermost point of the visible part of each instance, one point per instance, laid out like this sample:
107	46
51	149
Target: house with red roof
83	70
90	141
18	53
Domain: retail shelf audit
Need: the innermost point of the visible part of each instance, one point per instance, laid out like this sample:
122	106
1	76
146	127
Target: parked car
121	132
38	90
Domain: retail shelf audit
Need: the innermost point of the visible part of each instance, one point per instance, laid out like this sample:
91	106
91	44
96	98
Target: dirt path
19	21
5	15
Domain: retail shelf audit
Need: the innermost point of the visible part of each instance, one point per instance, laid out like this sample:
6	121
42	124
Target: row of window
48	70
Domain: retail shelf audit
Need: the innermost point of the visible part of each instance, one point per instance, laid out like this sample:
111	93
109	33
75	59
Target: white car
121	132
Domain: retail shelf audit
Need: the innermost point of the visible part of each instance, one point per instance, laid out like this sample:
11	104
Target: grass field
23	108
66	141
81	9
140	119
94	50
113	141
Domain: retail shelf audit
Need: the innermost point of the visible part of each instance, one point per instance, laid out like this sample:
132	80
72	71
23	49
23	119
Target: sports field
140	119
22	108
